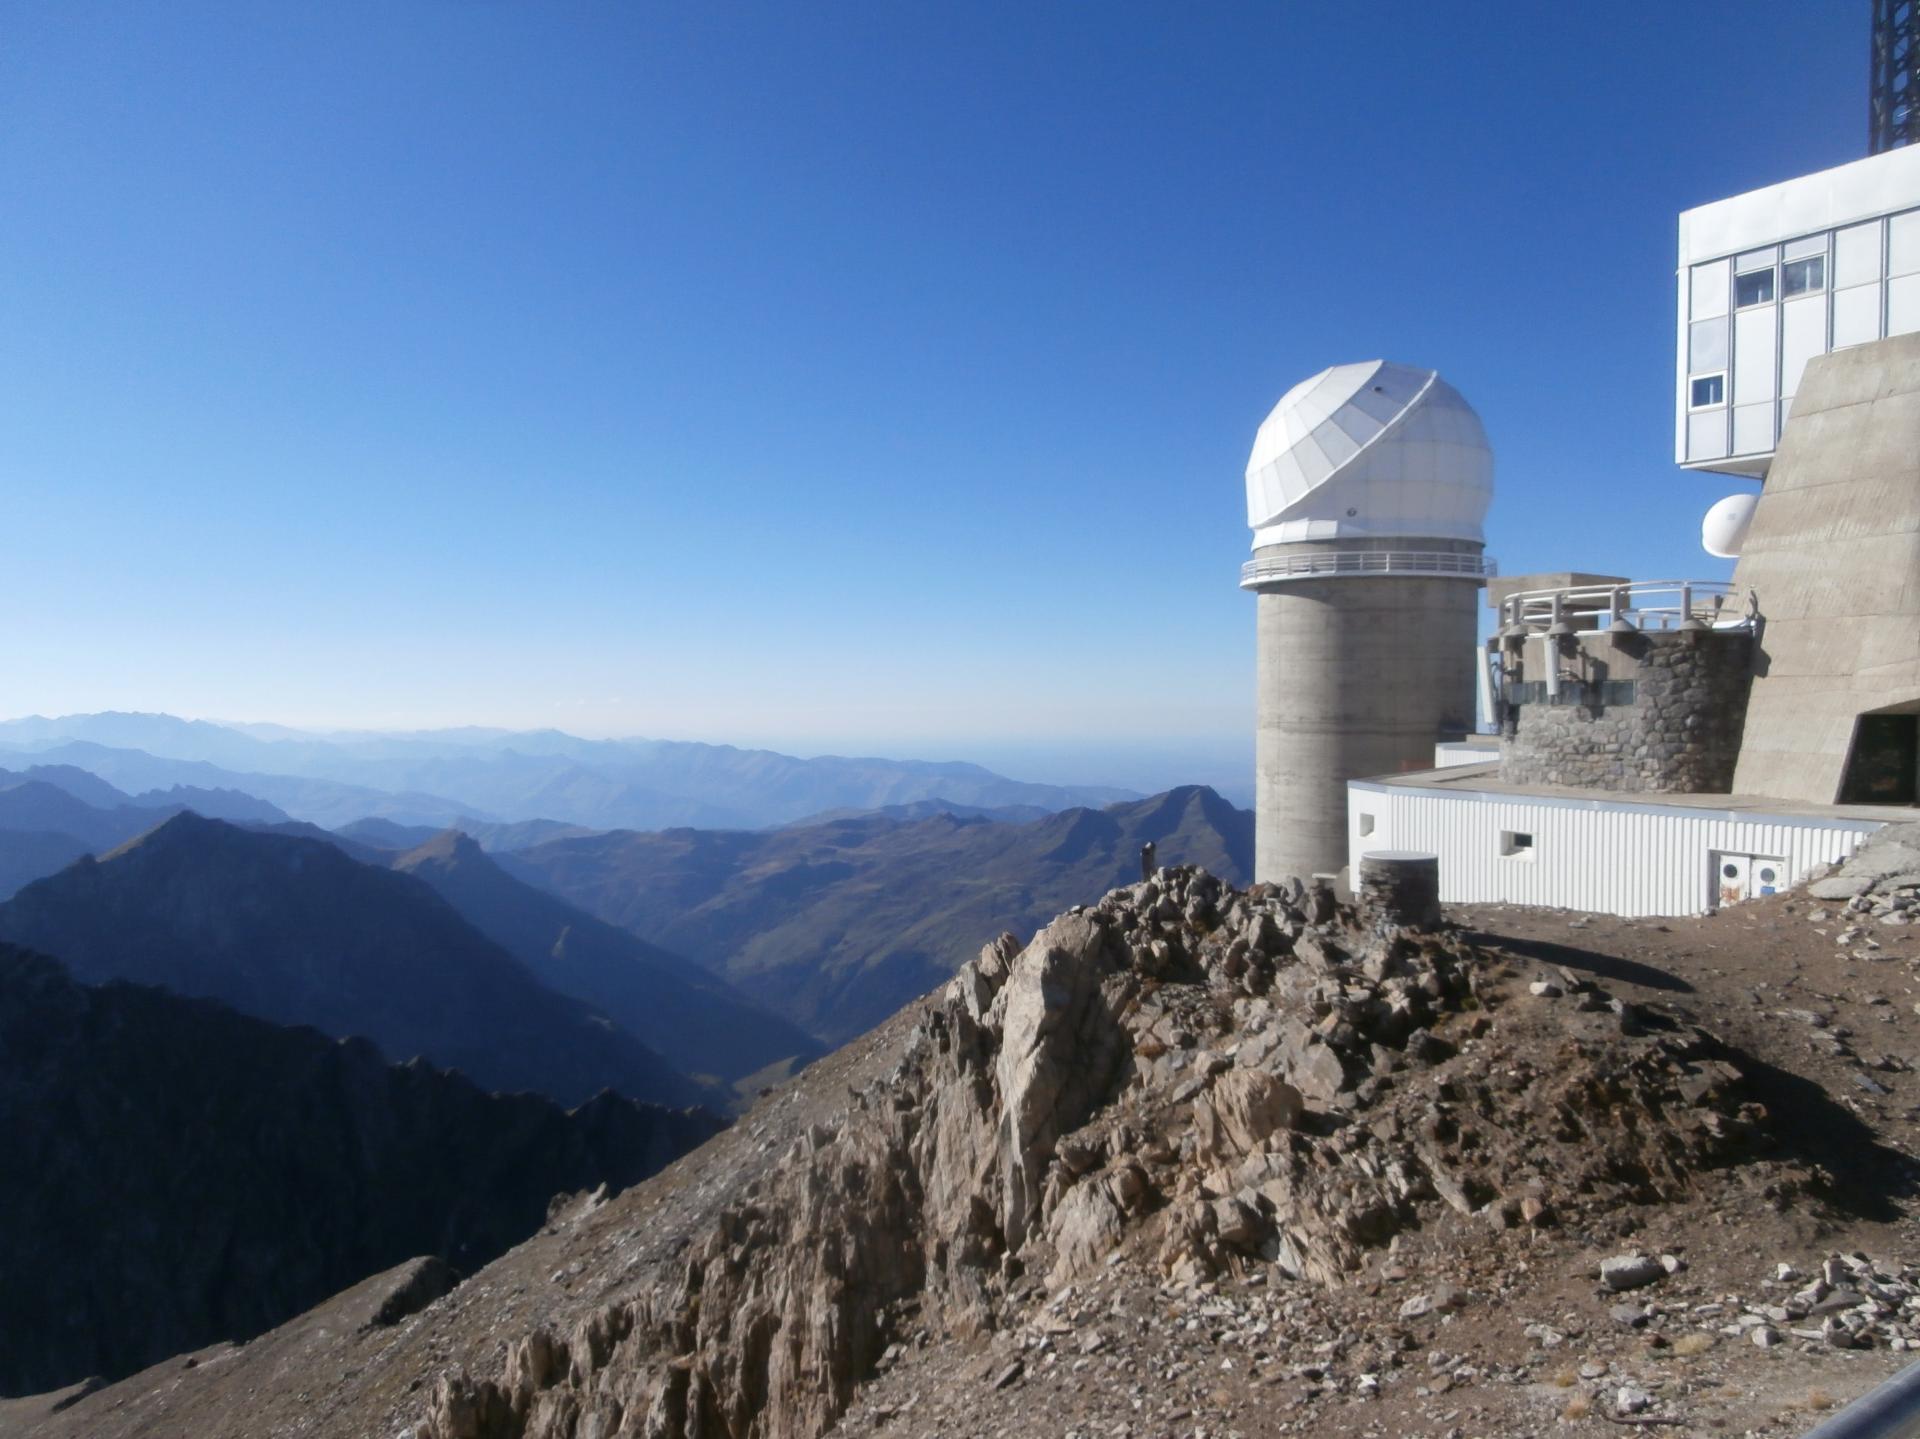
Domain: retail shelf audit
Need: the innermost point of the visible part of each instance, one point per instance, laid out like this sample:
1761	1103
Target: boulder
1243	1111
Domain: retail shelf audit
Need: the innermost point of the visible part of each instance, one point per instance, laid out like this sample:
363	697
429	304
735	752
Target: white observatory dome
1373	450
1724	529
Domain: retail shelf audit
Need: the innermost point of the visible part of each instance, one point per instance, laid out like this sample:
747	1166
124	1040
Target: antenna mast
1893	106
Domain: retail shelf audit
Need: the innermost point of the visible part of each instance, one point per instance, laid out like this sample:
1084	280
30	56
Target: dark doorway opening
1883	766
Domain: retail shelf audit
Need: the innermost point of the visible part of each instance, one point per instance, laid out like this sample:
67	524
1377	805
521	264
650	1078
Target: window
1707	290
1366	824
1754	289
1706	346
1707	390
1803	277
1516	844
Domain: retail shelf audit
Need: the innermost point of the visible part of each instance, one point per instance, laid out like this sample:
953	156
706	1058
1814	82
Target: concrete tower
1365	490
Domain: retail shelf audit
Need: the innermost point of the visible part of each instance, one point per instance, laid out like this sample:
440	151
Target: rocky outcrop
1206	1079
1881	878
178	1174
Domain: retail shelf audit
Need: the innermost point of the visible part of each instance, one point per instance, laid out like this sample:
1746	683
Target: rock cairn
1186	1078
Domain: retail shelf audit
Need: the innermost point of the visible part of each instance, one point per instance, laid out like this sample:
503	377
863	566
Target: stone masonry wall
1679	734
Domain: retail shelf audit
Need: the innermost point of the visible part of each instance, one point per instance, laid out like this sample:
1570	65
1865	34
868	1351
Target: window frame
1819	289
1695	406
1517	844
1771	274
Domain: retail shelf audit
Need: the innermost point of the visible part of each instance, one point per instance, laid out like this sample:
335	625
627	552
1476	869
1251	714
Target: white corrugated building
1615	854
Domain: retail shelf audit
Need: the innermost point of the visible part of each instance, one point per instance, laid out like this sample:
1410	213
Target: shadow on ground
1869	1178
1585	961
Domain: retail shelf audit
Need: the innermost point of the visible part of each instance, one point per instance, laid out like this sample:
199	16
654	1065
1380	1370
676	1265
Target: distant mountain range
178	1173
294	931
50	815
444	777
799	936
835	926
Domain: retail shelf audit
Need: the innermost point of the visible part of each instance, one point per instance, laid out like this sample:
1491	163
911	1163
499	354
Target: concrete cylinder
1400	887
1357	676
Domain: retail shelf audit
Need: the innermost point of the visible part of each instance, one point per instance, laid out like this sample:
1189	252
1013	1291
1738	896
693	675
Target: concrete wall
1356	676
1678	733
1834	557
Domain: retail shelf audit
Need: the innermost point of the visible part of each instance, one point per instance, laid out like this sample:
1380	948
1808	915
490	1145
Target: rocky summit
1193	1160
1200	1080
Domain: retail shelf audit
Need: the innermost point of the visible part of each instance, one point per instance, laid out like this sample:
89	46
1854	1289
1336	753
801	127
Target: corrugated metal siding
1447	756
1600	855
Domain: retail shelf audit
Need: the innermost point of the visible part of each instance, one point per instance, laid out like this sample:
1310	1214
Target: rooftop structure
1774	277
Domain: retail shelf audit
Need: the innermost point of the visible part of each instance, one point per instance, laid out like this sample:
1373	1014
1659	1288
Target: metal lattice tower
1893	115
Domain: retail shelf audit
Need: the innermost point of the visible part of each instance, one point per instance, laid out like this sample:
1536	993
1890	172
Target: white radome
1373	450
1723	531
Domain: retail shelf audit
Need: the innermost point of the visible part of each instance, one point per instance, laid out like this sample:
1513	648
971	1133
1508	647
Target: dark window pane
1802	277
1753	289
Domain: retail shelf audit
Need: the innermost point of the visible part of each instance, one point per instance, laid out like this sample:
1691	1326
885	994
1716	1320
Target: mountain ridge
836	926
509	776
698	1022
295	931
276	1164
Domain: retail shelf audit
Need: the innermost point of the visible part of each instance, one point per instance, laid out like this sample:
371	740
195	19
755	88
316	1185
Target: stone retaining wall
1654	712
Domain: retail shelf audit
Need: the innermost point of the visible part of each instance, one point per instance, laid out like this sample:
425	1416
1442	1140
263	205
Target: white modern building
1774	277
1568	848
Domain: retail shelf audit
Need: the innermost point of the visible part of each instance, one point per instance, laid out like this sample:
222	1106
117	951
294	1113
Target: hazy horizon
1226	767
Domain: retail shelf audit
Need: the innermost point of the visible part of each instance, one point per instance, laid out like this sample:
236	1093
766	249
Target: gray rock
1630	1271
1632	1401
1839	887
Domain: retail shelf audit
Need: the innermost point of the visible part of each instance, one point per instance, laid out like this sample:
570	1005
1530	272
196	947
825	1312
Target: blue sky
853	376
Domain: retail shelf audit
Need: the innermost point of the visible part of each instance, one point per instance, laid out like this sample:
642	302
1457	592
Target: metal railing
1892	1411
1333	564
1640	605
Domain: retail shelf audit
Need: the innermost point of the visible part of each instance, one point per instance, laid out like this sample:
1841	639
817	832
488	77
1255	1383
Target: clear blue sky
856	376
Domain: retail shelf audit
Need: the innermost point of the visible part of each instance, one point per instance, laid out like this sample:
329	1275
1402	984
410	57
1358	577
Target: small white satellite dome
1724	529
1373	450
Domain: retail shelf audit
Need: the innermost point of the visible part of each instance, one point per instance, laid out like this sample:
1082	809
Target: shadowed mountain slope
835	926
696	1020
178	1173
294	931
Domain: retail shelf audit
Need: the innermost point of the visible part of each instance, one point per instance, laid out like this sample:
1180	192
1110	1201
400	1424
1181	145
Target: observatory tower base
1358	676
